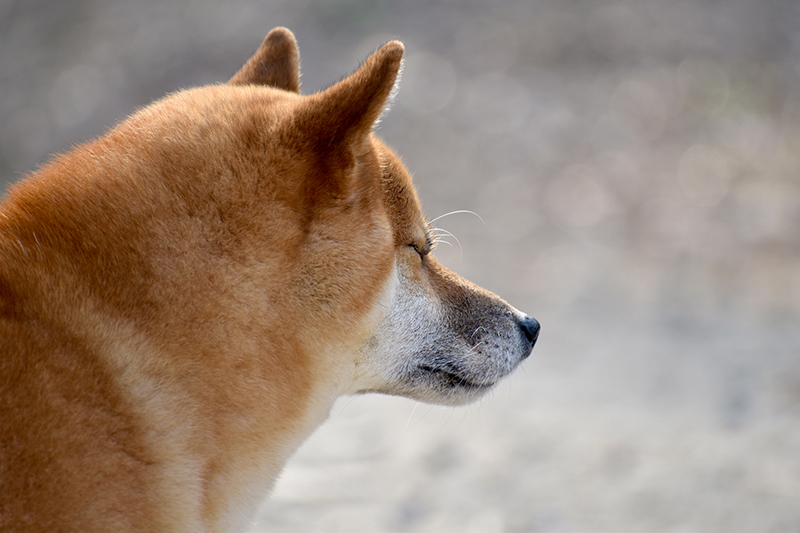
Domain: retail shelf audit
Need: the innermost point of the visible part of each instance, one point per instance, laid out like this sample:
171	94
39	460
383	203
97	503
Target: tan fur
182	300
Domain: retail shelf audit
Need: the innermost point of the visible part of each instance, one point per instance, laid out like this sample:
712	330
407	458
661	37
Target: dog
183	299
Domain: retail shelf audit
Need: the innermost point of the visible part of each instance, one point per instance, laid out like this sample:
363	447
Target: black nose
530	326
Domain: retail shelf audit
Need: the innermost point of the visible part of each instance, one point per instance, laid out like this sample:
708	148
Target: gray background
635	166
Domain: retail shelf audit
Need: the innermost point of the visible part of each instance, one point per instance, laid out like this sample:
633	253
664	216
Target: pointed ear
275	64
347	111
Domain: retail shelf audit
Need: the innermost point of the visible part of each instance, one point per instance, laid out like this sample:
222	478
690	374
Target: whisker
457	212
449	417
439	236
352	399
410	416
476	332
463	417
445	232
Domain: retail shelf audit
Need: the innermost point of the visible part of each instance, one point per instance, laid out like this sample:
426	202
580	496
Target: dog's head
434	336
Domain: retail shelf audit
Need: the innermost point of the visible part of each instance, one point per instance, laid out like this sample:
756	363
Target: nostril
531	328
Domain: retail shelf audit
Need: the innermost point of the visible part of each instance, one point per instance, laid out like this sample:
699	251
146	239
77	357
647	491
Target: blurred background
635	166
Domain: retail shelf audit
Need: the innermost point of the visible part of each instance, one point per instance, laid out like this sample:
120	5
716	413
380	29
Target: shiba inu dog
183	299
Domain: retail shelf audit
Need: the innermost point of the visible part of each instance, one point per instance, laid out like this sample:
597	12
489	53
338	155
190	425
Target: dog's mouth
449	377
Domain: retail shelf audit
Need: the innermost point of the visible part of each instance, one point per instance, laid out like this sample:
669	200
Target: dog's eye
423	249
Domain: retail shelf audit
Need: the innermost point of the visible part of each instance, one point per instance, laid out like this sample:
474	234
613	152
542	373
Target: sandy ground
635	169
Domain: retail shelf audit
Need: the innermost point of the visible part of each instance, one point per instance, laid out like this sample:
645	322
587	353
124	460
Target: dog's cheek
408	329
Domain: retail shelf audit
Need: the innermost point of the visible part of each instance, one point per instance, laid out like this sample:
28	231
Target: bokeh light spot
704	175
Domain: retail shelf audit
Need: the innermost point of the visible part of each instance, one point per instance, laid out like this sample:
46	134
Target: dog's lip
454	379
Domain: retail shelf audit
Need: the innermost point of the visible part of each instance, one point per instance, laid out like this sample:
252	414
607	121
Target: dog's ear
347	111
275	64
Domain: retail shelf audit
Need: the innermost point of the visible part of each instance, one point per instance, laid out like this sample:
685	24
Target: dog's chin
453	396
443	385
437	386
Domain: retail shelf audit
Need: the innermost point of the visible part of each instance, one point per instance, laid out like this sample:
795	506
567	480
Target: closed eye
421	250
425	248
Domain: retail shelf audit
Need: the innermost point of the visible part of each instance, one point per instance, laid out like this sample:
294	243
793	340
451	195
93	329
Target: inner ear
275	64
